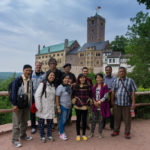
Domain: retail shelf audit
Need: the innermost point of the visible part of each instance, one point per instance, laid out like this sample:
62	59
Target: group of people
56	93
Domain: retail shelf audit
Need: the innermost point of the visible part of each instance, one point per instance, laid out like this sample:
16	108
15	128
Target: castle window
39	57
109	60
98	54
113	60
53	55
101	24
81	54
81	63
92	21
45	56
42	56
97	62
61	54
57	54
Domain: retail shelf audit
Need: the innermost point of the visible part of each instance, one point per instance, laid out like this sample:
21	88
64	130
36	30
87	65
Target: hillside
6	75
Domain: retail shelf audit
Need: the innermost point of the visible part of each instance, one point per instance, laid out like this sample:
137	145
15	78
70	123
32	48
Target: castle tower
96	29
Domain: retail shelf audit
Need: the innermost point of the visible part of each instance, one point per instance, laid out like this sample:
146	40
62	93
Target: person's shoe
77	138
84	138
100	136
26	138
91	135
43	139
16	143
63	137
64	134
127	136
33	130
51	138
115	134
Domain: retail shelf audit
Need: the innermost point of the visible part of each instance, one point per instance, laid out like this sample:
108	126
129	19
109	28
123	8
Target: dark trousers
122	112
41	127
111	118
33	117
81	114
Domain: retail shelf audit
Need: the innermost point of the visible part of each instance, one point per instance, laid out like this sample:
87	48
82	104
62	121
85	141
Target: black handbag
22	99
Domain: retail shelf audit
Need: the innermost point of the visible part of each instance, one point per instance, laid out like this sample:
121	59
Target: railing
5	93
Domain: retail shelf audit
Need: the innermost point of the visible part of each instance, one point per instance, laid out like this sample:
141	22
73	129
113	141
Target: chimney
49	49
43	46
39	49
66	43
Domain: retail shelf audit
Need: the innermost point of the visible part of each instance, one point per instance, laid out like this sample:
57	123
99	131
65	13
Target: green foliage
119	44
5	102
139	49
146	2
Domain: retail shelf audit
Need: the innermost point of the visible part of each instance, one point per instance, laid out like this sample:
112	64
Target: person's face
99	79
38	66
85	72
66	80
51	77
82	80
122	73
108	71
52	66
67	69
27	72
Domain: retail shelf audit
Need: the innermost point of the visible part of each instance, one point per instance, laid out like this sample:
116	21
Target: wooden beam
143	93
3	93
3	111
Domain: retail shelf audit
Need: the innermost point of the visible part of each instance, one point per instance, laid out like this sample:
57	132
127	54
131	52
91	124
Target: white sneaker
16	143
33	130
51	138
64	134
63	137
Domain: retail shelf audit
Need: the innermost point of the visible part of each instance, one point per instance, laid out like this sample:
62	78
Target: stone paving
140	140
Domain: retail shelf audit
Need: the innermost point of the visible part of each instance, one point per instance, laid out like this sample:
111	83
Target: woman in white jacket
44	102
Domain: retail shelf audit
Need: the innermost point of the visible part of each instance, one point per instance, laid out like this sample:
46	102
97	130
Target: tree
146	2
139	48
119	43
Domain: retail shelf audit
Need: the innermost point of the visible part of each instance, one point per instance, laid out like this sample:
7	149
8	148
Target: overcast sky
26	23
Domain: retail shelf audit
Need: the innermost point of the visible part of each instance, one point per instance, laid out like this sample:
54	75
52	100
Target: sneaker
78	138
16	143
100	136
91	135
51	138
43	139
33	130
63	137
115	133
127	136
27	138
84	138
64	134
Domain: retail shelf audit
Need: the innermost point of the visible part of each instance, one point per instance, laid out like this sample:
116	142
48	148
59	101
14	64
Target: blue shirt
109	80
121	95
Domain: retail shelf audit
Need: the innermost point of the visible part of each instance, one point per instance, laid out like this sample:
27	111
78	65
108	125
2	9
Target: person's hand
15	108
96	104
59	110
133	107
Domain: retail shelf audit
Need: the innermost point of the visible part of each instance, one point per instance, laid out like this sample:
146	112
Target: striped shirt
121	96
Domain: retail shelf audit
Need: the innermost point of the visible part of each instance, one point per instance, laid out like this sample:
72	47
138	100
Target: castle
94	54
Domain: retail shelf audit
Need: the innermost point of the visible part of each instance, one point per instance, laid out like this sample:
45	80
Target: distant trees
139	48
146	2
119	43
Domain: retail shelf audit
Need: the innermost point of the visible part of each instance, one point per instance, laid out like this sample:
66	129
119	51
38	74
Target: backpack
20	80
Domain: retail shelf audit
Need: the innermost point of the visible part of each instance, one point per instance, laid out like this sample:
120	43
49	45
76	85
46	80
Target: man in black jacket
58	74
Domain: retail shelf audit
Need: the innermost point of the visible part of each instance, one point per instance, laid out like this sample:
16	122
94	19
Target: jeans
63	118
41	127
